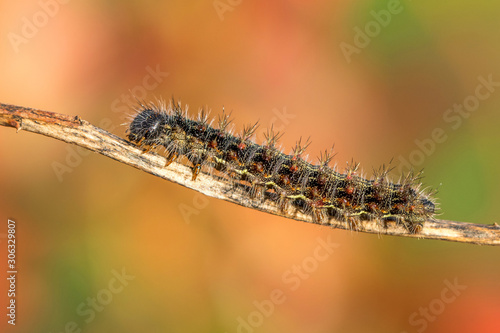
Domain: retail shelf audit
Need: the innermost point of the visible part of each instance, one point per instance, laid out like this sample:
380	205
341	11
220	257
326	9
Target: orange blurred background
102	247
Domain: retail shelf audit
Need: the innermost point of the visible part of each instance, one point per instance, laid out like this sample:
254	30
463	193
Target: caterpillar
316	189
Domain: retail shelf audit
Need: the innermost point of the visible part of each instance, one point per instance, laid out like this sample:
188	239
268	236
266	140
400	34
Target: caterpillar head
148	126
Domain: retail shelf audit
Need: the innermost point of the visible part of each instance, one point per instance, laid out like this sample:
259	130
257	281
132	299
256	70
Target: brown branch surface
80	132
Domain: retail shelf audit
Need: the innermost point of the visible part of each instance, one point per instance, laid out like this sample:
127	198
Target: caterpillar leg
319	215
196	171
171	158
354	223
257	191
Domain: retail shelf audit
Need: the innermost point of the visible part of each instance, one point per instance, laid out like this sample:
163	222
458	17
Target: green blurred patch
463	179
71	285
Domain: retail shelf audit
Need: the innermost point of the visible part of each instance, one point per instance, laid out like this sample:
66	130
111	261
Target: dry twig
80	132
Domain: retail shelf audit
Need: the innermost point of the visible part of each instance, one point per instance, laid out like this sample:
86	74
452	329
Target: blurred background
103	247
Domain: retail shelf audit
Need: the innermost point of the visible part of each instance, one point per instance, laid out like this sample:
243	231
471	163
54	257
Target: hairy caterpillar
316	189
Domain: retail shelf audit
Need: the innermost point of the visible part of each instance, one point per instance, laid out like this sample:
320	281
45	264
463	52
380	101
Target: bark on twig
79	132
